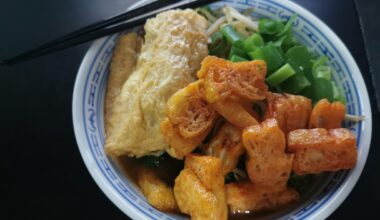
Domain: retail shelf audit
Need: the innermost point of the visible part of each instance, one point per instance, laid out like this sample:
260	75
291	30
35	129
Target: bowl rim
322	212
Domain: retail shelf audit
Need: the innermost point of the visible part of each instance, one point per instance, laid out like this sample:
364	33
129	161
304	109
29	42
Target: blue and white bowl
326	194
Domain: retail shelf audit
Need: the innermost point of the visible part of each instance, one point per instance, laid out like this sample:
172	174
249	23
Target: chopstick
129	19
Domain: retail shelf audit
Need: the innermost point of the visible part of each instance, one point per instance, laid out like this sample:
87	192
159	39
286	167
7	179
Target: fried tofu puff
157	192
123	63
246	197
227	146
267	163
189	120
327	115
199	188
235	113
231	87
291	111
224	79
317	150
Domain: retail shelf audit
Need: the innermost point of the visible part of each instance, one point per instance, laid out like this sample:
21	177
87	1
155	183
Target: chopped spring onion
219	45
238	52
280	75
295	83
342	97
288	42
322	88
270	54
338	93
322	72
299	57
234	58
239	44
279	42
270	26
231	34
288	26
253	42
294	68
319	62
216	36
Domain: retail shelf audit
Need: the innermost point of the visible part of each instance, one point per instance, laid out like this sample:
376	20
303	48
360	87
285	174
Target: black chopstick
112	25
98	25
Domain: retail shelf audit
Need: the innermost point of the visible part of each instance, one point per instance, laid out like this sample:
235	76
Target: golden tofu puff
267	163
327	115
249	107
318	150
224	79
175	44
291	111
231	87
156	191
123	63
199	188
246	197
227	146
189	120
235	113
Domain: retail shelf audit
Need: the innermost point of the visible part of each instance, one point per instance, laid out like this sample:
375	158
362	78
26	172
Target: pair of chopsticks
129	19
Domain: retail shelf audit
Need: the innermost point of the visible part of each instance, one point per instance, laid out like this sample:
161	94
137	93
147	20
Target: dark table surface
42	173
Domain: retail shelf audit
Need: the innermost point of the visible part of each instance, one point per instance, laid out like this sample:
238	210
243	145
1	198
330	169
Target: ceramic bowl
324	196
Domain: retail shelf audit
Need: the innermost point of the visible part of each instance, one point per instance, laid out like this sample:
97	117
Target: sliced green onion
239	44
308	91
289	42
338	93
215	36
253	42
322	88
280	75
270	26
335	90
299	57
319	62
231	34
270	54
288	27
342	97
278	43
238	52
219	45
322	72
235	58
295	84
